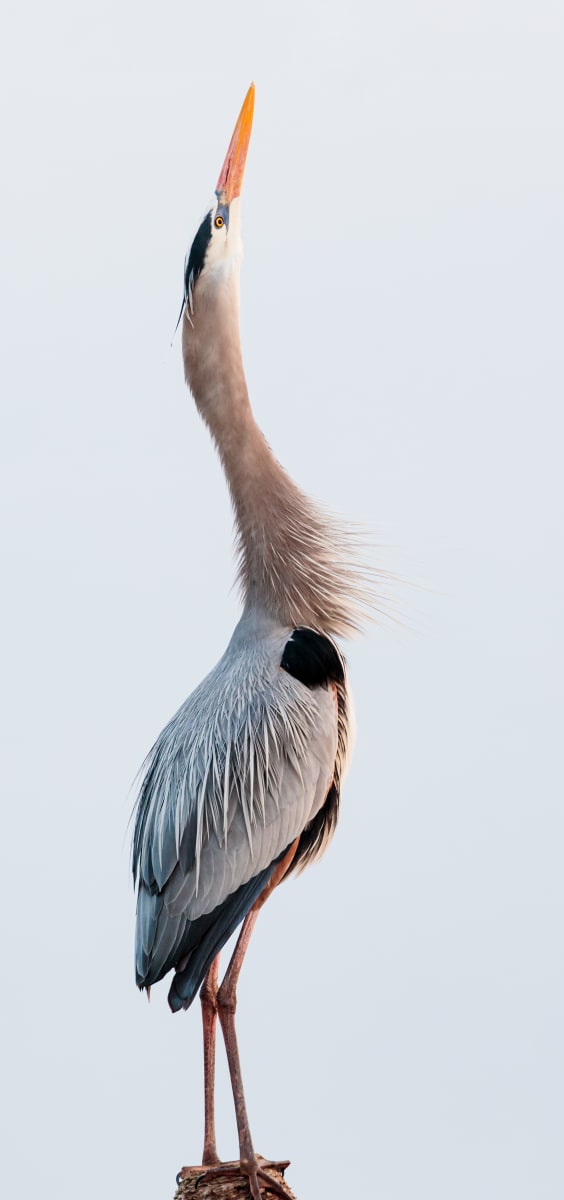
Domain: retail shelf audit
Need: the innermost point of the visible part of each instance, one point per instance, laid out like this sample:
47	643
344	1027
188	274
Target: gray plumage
236	776
255	758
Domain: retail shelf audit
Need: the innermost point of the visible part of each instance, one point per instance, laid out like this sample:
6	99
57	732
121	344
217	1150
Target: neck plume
297	563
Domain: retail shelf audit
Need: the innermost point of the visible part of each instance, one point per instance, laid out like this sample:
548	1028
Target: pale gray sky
402	318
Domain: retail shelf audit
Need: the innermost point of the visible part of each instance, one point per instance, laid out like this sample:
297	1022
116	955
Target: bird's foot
262	1167
257	1172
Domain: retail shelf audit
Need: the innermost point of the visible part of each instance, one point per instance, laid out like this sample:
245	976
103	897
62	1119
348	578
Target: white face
225	248
216	251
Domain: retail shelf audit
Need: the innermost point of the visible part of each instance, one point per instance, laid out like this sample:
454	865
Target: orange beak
230	180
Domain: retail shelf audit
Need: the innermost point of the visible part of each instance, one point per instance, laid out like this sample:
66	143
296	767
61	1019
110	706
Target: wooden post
232	1185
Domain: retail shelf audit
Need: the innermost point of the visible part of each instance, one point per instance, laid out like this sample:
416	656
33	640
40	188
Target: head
216	251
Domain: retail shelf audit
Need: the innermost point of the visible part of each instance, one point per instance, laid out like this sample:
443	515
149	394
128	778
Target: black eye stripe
198	251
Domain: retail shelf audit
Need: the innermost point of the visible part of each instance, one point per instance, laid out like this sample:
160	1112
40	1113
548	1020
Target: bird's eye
219	222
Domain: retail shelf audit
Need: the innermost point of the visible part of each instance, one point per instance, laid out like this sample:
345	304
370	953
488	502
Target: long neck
295	562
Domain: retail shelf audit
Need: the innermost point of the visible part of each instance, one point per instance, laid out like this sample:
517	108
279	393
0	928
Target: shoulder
313	659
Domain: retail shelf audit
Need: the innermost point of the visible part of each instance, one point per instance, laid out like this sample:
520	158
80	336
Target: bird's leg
208	997
226	999
227	1004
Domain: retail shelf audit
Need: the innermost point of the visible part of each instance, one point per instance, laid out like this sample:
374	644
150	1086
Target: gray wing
235	777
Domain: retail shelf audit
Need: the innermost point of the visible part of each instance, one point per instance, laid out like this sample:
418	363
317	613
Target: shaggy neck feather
294	562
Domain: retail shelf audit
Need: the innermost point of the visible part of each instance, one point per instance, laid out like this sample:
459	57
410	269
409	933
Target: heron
242	788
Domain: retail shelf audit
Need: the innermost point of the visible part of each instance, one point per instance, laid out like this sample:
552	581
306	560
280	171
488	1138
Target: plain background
400	1011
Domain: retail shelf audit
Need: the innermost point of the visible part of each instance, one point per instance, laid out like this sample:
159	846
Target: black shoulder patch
195	260
312	658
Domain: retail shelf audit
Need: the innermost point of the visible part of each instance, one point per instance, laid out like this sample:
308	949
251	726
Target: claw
273	1184
256	1169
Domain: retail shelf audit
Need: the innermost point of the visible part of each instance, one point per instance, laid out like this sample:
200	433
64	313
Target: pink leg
208	997
227	1004
250	1166
226	998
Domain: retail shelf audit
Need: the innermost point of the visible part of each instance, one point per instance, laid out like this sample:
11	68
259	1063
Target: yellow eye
219	222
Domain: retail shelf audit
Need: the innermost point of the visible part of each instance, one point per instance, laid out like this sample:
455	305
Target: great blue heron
243	785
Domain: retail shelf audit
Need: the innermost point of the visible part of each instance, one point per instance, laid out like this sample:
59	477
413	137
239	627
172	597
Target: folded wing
236	776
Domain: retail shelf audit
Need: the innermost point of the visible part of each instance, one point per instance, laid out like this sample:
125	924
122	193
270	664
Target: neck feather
296	562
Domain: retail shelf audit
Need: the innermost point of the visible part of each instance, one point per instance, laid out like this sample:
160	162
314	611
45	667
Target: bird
243	786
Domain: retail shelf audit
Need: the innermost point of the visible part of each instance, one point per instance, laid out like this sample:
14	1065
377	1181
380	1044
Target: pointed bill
230	180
